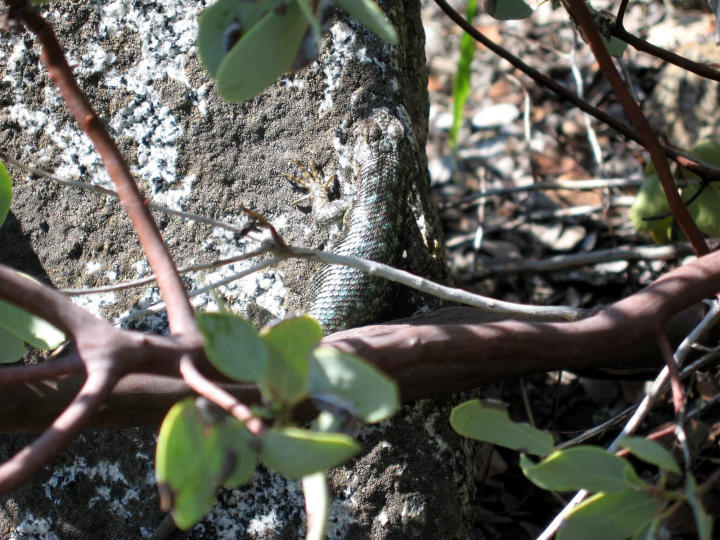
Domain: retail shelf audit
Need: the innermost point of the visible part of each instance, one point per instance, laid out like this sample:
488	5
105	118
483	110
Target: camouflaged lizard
377	224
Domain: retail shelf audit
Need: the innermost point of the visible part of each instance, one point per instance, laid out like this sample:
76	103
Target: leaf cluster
622	505
200	448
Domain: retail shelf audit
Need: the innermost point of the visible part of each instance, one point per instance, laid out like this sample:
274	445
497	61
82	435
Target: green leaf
12	348
652	452
289	344
370	14
297	452
217	22
707	151
195	455
31	329
461	84
317	504
233	346
6	192
582	467
610	516
615	46
703	522
663	232
263	53
648	531
506	10
238	441
472	419
649	202
373	395
705	209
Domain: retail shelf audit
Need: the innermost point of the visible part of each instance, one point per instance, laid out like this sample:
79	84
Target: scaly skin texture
344	297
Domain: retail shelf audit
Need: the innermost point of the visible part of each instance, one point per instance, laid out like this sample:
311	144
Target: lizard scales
344	297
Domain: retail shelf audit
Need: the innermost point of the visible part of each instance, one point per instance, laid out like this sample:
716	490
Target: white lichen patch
108	478
166	34
96	303
259	510
32	527
92	267
344	48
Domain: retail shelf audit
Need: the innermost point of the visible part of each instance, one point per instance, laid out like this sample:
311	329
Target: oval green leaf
652	452
12	348
615	46
649	202
471	419
582	467
370	14
610	516
373	395
31	329
295	452
5	192
194	457
507	10
289	344
233	346
263	53
705	209
707	151
216	23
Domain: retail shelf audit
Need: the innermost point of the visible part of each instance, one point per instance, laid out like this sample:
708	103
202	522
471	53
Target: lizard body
344	297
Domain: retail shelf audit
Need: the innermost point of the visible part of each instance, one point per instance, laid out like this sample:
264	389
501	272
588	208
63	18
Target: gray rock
192	151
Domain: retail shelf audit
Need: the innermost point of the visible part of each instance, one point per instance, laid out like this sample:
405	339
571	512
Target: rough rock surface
191	151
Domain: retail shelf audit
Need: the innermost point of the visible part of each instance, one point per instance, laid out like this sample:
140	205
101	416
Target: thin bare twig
86	186
703	70
563	262
571	185
214	393
151	278
160	306
508	309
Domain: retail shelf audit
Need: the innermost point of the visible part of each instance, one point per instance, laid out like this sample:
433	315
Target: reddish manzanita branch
23	465
44	302
452	351
580	12
105	353
703	70
641	45
678	394
180	313
509	348
222	398
426	359
51	369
